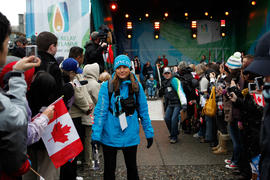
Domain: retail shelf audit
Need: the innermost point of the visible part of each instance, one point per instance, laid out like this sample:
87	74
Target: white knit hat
235	61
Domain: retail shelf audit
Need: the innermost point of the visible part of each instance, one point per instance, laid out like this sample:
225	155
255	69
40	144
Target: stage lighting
113	6
156	29
194	29
223	28
193	24
129	30
222	23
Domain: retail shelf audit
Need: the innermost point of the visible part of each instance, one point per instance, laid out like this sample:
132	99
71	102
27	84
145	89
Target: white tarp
69	20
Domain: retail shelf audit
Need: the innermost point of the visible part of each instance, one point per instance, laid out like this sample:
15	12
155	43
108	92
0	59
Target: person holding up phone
260	66
13	112
249	124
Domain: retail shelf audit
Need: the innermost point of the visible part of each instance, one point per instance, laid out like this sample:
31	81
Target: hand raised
27	63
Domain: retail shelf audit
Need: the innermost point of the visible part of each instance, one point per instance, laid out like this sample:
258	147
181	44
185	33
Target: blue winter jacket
106	127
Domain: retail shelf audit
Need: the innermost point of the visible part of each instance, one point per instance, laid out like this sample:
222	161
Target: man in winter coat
175	100
94	49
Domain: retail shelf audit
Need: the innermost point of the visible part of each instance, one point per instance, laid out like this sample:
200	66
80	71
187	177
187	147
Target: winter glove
149	142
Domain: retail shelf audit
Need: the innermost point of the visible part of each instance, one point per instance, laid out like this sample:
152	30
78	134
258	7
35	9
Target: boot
219	141
223	148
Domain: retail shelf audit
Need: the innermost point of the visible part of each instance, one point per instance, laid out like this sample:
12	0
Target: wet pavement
188	159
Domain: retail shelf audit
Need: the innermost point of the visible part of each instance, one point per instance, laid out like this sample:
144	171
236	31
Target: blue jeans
172	119
151	91
235	136
209	128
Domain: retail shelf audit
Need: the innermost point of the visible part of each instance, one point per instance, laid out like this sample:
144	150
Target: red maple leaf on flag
259	99
59	133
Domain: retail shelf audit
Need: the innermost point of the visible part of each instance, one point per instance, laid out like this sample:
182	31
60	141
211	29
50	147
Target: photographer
260	65
94	49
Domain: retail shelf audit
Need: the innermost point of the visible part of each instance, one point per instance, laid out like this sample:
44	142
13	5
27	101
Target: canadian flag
60	136
259	99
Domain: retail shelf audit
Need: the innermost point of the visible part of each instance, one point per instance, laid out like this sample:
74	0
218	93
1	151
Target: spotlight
129	25
113	6
127	15
146	15
222	23
193	24
166	14
157	25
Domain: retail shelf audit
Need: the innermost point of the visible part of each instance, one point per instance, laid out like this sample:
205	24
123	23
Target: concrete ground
188	159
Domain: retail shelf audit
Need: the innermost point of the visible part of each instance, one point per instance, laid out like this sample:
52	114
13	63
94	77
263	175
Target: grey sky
11	9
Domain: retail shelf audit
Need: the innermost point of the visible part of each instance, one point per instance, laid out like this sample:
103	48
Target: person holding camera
94	50
260	65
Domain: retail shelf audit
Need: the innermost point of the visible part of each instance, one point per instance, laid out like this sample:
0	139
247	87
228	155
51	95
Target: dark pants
110	154
69	170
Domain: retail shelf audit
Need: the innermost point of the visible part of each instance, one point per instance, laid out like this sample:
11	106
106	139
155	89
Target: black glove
149	142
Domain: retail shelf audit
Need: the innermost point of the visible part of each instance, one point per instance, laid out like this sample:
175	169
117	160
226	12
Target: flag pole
61	97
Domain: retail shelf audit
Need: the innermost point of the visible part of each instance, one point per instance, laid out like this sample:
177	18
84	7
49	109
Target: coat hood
91	71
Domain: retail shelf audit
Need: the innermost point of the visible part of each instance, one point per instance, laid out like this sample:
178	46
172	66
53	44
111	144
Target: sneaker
231	166
173	140
196	135
227	161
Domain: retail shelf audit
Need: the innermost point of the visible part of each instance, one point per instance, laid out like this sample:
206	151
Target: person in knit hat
235	61
116	124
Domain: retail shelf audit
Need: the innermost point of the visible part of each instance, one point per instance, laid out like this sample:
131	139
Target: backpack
128	103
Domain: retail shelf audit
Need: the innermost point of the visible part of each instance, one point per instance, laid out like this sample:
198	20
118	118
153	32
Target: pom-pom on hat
121	60
235	61
71	64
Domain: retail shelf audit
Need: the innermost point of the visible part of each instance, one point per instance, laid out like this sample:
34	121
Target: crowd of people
217	102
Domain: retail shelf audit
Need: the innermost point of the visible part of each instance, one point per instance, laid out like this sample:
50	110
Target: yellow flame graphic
58	20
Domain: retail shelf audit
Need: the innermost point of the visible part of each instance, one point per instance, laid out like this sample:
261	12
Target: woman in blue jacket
116	119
